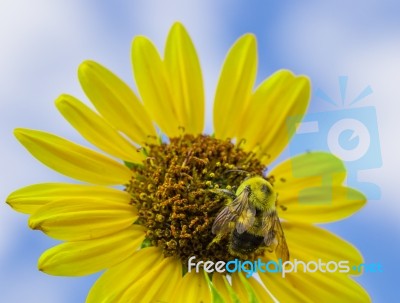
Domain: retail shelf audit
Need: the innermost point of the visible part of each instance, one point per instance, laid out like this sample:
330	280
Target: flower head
149	205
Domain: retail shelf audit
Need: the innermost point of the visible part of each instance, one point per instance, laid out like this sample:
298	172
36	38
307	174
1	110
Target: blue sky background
43	42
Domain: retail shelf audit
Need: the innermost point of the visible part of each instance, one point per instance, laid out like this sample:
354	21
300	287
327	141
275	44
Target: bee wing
281	250
232	213
272	229
247	216
268	230
225	221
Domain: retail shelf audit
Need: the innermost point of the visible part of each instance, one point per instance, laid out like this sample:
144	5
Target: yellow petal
261	294
96	130
152	82
309	189
315	287
319	204
158	284
266	129
331	288
112	284
71	159
284	290
261	103
234	87
82	218
308	170
116	102
86	257
193	289
310	243
30	198
184	73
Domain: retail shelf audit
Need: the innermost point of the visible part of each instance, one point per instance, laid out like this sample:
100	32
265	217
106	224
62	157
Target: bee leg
217	239
272	247
261	251
224	193
265	250
238	254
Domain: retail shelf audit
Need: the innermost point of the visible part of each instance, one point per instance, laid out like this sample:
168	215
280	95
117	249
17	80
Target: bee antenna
236	170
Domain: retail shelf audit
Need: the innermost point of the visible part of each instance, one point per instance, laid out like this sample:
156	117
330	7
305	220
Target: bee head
261	193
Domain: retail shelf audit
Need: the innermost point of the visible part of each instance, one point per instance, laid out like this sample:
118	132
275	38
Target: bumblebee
250	218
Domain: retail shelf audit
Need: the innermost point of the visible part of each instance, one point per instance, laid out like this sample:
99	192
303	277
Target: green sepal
232	294
251	295
146	243
131	165
215	295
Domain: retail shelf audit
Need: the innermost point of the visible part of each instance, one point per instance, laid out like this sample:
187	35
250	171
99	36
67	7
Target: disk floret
173	192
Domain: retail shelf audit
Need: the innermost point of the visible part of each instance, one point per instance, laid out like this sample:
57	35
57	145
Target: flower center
174	193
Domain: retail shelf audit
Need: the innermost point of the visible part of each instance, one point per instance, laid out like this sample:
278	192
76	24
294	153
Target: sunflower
141	211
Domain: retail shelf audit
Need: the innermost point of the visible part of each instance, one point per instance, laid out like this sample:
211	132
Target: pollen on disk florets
172	192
